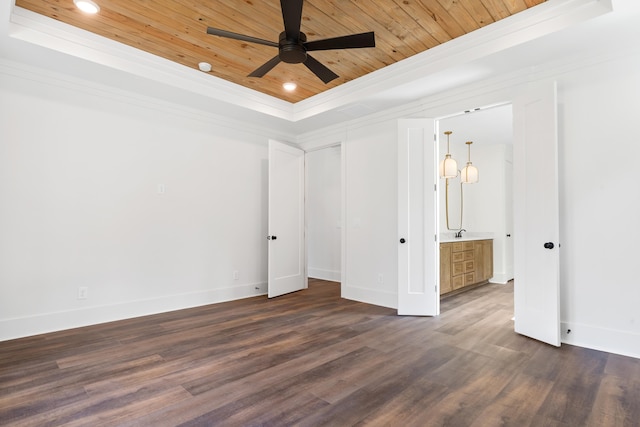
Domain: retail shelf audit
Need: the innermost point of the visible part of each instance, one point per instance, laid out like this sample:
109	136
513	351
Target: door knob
402	240
272	237
549	245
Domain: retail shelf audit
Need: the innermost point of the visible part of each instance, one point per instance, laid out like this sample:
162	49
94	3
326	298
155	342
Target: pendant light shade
469	174
448	166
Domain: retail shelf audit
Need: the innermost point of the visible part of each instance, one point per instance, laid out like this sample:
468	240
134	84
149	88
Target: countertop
448	236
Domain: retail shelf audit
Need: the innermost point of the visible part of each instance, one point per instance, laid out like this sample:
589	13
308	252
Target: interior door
535	170
287	258
418	254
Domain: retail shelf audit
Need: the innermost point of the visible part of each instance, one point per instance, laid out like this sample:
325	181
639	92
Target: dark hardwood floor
313	359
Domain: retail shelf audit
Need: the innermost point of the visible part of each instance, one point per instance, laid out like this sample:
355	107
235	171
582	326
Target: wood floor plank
312	358
517	404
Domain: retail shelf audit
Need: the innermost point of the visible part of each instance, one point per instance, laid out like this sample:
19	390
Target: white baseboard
501	278
609	340
370	296
52	322
319	273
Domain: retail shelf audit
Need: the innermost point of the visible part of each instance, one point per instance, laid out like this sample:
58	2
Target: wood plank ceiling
176	30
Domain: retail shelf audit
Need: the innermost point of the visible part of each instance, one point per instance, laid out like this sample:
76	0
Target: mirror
453	203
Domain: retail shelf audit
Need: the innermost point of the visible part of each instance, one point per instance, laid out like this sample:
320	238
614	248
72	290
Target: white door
535	171
286	253
418	254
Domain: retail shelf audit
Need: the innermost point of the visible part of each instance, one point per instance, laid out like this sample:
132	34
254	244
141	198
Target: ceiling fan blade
353	41
292	16
236	36
266	67
323	73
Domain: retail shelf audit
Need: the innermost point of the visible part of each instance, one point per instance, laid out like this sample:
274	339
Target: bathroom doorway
486	207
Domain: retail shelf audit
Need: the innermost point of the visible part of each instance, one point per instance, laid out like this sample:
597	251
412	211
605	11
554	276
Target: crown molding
40	30
98	90
539	21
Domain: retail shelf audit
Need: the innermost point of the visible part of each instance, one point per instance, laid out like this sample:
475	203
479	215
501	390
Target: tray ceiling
176	30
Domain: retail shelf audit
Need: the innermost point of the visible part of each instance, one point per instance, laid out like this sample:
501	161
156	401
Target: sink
449	236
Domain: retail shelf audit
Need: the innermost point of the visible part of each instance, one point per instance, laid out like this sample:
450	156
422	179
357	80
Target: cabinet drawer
469	266
469	279
457	268
457	282
468	255
457	256
462	246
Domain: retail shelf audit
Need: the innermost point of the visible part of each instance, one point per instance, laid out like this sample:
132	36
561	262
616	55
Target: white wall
486	207
371	214
600	205
323	205
79	207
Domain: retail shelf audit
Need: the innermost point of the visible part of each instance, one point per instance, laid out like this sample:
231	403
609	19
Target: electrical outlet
236	274
83	292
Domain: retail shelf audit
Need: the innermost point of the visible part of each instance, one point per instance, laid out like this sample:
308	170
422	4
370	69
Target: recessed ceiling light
87	6
289	86
204	66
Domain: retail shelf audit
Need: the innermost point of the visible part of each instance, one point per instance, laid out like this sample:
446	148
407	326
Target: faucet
459	233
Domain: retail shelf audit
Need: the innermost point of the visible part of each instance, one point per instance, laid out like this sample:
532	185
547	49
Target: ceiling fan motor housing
292	44
292	51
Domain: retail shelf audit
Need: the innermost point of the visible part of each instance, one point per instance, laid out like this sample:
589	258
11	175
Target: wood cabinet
465	263
445	268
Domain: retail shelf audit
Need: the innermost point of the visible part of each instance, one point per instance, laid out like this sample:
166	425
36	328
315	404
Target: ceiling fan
293	45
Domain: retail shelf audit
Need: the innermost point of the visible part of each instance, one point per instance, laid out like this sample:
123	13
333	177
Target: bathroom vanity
464	263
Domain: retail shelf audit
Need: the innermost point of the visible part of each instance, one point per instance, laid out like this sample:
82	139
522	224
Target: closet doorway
324	213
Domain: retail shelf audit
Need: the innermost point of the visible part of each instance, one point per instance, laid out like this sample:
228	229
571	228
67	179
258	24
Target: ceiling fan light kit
293	46
289	86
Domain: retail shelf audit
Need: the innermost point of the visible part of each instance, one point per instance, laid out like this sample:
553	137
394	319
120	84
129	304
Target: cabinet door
478	255
487	259
445	268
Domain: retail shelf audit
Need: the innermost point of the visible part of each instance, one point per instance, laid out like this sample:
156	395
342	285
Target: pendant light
469	174
448	166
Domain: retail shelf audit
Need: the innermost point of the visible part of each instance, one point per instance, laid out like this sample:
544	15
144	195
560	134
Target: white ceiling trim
48	78
34	28
541	20
517	29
